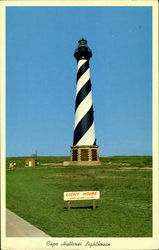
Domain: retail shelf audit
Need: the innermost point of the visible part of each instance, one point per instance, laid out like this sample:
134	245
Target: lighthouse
84	150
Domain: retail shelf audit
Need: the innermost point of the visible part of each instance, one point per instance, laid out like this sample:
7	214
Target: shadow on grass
88	207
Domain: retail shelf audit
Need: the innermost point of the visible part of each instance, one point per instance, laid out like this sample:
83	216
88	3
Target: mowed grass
124	209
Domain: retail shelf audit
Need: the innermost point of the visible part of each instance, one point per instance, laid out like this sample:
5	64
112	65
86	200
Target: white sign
81	195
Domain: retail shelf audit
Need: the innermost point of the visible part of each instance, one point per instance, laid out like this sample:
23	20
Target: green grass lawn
124	209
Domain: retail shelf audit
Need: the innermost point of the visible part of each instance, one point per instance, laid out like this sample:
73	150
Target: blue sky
41	78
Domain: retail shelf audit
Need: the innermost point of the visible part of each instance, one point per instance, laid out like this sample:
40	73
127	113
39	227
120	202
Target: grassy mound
124	209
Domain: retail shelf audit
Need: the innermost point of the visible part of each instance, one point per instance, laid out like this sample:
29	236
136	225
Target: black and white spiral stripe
84	132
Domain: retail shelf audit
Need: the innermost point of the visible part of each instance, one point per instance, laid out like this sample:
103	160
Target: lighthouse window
94	155
84	154
74	155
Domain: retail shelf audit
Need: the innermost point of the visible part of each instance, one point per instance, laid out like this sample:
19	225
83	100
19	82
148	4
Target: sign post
81	195
68	205
94	204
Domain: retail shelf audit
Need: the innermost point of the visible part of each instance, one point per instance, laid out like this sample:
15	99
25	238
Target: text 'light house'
84	150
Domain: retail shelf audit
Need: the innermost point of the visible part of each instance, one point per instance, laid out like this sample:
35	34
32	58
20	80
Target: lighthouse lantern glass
82	42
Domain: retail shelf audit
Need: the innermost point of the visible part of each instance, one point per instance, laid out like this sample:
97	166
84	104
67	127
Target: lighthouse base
86	155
